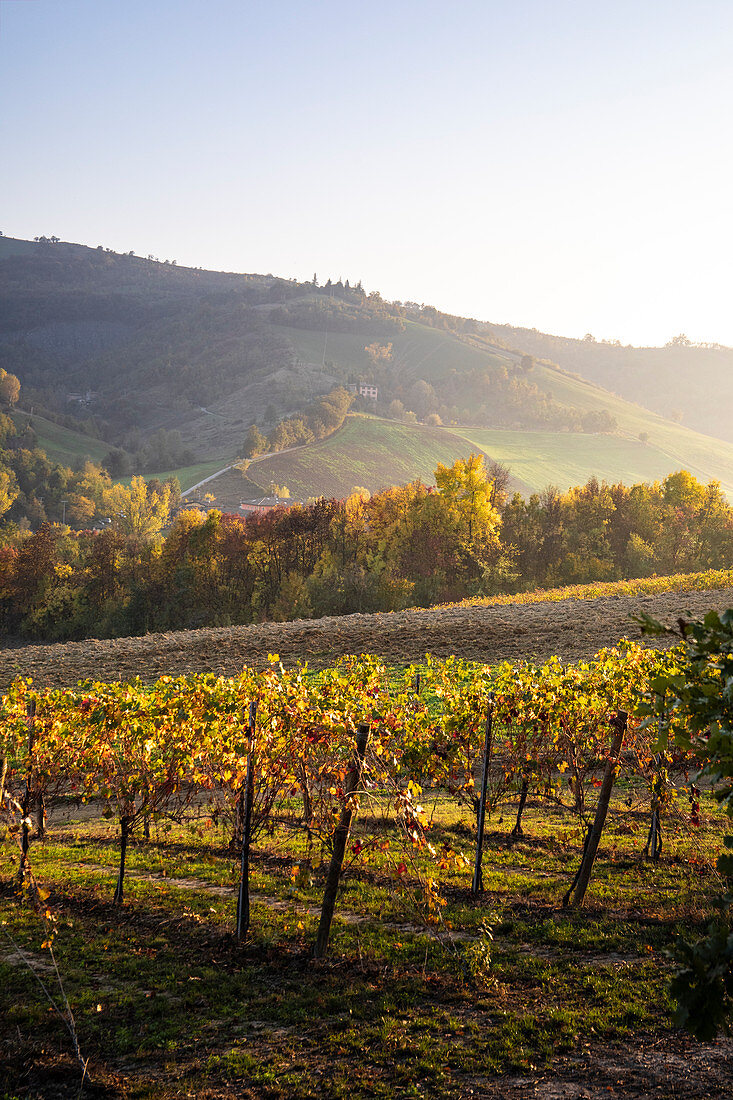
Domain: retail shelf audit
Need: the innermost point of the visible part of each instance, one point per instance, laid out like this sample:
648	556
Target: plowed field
572	629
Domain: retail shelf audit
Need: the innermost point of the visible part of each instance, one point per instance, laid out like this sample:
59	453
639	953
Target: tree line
412	545
320	419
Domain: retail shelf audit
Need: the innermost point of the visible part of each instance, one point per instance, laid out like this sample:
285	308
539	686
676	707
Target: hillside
571	629
679	380
375	453
59	443
366	452
562	459
196	357
174	364
152	342
419	351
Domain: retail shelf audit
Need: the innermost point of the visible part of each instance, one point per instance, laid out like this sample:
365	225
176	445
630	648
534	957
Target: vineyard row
303	750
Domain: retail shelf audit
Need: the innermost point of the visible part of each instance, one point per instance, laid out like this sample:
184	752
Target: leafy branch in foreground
698	695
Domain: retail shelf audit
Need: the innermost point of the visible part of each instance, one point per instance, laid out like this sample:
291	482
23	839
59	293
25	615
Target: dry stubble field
572	629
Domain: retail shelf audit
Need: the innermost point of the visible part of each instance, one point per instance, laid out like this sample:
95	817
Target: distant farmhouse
85	398
368	391
266	504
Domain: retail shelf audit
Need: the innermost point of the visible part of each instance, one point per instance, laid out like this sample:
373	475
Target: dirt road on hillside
573	629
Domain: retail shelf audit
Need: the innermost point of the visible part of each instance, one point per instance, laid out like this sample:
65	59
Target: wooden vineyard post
249	791
119	895
580	885
478	885
653	846
524	791
146	818
41	816
25	835
340	839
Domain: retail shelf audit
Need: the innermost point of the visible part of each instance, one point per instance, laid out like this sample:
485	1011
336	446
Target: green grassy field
377	453
365	451
565	459
61	444
508	986
703	455
190	475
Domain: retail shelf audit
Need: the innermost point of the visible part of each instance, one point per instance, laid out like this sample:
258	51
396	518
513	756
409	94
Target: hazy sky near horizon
555	164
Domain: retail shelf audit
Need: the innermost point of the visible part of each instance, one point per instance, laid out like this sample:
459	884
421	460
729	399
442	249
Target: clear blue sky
563	165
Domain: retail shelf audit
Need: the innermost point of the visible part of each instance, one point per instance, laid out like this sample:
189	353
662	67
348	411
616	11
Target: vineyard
270	884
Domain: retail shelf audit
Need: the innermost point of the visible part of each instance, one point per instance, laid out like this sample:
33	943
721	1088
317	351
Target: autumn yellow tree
139	511
8	490
467	489
9	388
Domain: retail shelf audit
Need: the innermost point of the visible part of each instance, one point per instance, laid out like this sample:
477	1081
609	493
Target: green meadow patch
508	985
364	452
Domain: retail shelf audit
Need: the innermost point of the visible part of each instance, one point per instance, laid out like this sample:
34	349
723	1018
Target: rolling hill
192	358
678	380
376	453
419	351
62	444
364	452
563	459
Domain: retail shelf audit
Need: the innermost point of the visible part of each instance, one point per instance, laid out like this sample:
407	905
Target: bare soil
572	629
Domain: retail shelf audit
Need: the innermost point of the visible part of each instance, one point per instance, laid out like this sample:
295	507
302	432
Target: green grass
191	475
702	455
365	451
62	444
565	459
377	453
163	998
